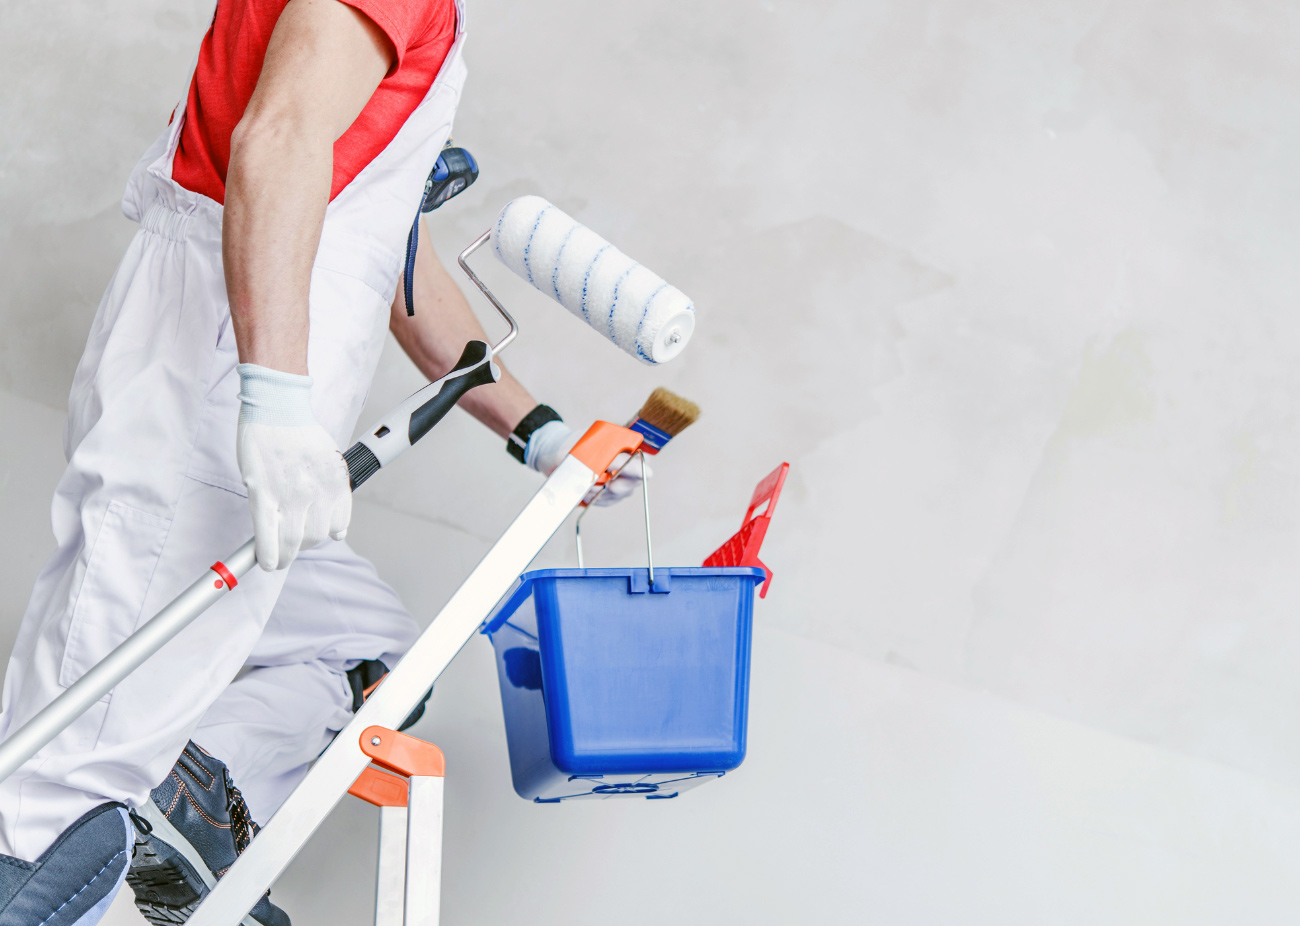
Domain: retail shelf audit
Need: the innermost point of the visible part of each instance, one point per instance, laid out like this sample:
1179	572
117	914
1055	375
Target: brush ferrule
652	439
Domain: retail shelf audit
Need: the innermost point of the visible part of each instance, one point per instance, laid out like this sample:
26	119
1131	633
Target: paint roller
631	306
612	293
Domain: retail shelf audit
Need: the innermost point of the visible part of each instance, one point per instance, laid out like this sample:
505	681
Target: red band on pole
220	569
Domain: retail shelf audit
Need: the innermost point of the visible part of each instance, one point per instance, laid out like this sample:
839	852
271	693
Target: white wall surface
1012	287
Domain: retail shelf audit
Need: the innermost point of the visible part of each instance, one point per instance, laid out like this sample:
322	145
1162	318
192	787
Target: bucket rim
523	587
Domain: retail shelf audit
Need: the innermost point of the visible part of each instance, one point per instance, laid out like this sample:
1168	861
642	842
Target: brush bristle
669	412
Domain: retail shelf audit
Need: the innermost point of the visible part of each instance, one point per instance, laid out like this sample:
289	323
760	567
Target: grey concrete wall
1012	287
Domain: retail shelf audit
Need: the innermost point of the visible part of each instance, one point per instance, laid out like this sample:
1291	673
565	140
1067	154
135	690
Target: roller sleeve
622	300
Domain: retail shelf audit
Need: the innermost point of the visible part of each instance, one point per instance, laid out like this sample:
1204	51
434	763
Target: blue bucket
611	688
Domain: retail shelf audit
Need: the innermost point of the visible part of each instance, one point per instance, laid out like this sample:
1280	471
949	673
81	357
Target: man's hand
296	478
551	443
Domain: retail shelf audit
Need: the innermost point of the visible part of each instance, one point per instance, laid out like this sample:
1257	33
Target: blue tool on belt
455	170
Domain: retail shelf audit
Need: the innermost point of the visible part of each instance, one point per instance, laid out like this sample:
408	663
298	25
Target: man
227	364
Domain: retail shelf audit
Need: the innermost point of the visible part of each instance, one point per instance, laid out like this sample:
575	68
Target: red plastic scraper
742	549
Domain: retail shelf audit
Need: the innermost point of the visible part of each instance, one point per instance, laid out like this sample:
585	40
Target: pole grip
415	417
362	464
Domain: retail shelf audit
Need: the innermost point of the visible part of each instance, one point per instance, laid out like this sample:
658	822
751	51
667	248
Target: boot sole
167	890
167	873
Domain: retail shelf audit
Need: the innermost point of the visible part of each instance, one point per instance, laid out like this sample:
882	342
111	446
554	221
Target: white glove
296	478
551	443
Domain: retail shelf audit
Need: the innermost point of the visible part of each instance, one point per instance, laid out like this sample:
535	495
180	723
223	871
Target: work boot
365	677
192	829
75	880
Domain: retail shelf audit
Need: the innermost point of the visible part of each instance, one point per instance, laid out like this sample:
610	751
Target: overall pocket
121	565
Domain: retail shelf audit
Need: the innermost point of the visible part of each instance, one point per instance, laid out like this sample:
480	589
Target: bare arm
324	61
434	337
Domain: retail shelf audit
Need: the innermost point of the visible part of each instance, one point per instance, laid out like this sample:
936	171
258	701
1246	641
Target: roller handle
415	417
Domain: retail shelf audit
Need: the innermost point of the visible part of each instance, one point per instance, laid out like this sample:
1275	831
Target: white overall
152	496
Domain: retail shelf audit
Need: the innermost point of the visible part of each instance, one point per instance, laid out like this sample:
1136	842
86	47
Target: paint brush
663	416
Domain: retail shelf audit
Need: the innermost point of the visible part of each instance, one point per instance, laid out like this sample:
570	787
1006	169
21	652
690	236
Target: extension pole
393	435
125	659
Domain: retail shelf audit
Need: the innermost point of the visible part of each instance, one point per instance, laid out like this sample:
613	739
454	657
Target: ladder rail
338	767
390	877
424	852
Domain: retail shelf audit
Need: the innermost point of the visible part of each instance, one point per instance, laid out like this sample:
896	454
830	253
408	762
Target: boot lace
242	825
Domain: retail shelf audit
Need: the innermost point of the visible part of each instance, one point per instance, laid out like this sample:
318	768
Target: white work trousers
151	497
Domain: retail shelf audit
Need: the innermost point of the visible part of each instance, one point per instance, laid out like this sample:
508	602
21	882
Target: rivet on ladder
374	741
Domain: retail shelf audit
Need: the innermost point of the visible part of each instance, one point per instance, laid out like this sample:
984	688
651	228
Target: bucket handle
645	495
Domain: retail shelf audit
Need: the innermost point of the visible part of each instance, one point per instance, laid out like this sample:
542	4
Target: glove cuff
546	447
517	442
272	397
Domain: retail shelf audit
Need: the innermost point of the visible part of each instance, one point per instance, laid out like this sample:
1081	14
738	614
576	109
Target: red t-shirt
230	61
